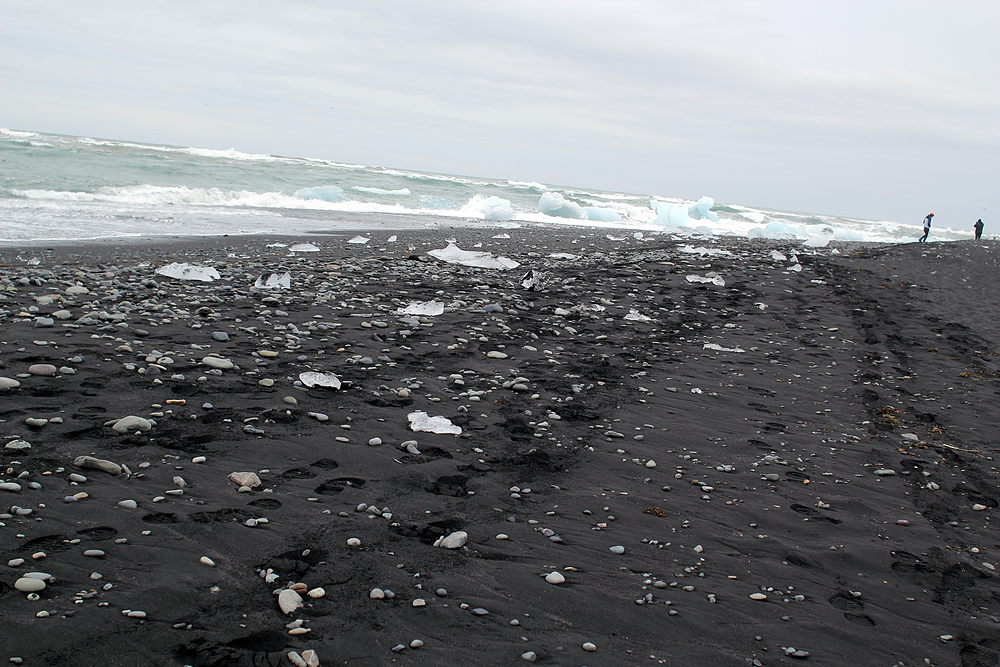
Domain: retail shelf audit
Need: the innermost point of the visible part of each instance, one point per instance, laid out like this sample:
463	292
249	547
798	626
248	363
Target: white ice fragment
185	271
502	236
796	268
715	280
359	239
391	239
703	251
276	245
635	316
563	255
303	247
430	308
421	421
533	280
314	379
702	209
554	204
778	256
719	348
762	306
483	260
274	281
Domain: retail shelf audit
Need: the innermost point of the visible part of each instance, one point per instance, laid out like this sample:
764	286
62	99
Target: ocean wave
379	191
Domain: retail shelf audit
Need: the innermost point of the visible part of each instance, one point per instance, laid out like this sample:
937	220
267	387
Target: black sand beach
790	465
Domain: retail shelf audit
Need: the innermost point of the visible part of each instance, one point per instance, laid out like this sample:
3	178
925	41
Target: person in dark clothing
927	227
979	228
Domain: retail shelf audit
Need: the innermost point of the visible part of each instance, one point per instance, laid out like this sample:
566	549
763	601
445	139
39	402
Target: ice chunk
533	280
494	208
703	251
391	239
303	247
817	241
276	245
274	281
554	204
330	193
314	379
701	210
437	203
563	255
778	256
719	348
185	271
600	214
670	215
713	278
483	260
795	267
424	308
635	316
360	239
421	421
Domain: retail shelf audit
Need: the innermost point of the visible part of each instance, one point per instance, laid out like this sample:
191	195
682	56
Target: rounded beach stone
132	423
555	578
248	479
29	585
42	369
617	550
128	504
94	553
588	646
216	362
455	540
9	383
289	601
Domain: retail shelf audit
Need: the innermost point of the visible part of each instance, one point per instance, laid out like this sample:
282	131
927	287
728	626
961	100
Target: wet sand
794	454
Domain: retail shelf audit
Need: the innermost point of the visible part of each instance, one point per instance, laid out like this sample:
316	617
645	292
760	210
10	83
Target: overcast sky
878	110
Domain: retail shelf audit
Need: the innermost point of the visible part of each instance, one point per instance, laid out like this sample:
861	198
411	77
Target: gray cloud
877	110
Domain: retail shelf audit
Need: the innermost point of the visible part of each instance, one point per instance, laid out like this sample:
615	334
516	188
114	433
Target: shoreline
702	450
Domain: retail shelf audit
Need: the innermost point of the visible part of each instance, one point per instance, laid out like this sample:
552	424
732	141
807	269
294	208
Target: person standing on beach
979	228
927	227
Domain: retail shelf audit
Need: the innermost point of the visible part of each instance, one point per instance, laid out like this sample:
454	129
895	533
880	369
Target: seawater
57	187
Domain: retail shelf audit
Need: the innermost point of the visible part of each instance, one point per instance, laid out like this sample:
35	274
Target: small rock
128	504
29	585
205	560
289	601
588	646
617	550
555	578
97	464
248	479
455	540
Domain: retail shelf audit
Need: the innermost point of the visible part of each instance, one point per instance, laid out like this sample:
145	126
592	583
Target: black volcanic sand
835	457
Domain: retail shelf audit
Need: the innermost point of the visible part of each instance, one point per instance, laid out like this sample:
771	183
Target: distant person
927	227
979	228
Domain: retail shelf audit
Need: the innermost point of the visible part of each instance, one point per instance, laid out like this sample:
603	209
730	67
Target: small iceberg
185	271
314	379
482	260
274	281
554	204
304	247
428	308
421	421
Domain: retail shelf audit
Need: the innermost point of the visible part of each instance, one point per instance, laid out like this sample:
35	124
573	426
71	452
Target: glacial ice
554	204
303	247
274	281
185	271
497	209
676	215
601	214
315	379
483	260
421	421
702	210
330	193
428	308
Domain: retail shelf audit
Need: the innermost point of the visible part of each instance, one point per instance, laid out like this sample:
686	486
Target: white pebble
555	578
207	561
587	646
617	550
